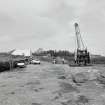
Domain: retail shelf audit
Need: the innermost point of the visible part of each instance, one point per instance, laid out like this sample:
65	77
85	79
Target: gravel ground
52	84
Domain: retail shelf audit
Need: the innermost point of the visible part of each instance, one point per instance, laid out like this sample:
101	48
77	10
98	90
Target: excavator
81	55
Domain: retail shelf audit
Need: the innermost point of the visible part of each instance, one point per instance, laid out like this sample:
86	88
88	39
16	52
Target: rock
85	76
93	74
79	78
62	77
101	79
36	104
82	100
68	88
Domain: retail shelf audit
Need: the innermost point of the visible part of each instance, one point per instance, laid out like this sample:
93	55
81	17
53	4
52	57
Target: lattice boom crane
82	56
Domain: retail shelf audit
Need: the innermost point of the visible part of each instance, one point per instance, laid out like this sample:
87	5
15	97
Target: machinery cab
82	57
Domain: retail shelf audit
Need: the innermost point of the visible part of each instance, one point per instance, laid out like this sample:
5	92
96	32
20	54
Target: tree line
55	53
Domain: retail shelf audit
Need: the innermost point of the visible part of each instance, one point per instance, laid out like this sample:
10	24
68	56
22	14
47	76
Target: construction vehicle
81	55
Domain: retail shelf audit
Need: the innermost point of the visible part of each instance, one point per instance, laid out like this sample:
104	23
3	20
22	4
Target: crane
81	56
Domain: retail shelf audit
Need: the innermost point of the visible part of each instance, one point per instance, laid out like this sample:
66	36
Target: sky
49	24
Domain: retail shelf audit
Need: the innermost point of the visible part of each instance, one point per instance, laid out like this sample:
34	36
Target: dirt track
49	84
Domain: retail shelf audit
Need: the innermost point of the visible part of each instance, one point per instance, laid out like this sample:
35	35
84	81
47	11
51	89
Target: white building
26	52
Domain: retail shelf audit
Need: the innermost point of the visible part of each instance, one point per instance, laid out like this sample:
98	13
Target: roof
25	52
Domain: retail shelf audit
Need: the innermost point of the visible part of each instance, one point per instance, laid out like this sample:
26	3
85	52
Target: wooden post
10	62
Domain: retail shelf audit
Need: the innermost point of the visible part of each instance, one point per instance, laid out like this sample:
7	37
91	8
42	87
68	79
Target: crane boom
82	56
80	44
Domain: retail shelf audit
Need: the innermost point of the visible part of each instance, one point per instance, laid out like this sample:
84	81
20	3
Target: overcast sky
49	24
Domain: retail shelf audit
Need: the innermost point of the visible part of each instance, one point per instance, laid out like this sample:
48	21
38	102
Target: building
26	53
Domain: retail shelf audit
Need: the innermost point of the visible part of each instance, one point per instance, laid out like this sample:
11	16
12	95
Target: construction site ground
53	84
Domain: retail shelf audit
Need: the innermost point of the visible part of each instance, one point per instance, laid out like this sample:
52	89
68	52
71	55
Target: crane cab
82	57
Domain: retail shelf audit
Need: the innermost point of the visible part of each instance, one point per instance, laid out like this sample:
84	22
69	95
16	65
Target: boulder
80	78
